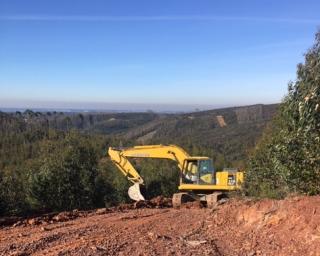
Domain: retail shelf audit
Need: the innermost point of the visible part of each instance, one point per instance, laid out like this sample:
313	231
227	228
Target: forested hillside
56	161
226	135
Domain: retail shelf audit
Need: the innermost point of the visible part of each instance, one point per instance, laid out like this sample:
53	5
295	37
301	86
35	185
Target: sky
107	54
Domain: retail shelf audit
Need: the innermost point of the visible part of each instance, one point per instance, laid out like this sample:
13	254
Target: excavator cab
198	171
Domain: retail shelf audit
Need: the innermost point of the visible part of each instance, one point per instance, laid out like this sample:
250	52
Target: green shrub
65	175
288	157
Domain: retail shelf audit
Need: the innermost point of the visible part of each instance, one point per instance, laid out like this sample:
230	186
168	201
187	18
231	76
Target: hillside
44	155
225	134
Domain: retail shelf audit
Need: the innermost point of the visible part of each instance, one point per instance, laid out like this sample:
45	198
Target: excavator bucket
134	192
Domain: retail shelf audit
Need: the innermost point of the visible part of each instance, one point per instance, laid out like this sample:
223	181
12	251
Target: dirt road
287	227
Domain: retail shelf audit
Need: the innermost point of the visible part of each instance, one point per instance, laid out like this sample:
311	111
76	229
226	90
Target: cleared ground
238	227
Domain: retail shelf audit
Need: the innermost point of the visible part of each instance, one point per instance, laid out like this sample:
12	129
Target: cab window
205	167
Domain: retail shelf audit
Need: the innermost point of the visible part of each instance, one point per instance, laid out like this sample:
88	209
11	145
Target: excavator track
179	198
212	199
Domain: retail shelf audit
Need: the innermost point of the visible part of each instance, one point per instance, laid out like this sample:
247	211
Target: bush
161	177
12	192
65	175
288	157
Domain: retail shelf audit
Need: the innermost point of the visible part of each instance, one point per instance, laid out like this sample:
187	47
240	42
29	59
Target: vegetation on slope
56	161
287	160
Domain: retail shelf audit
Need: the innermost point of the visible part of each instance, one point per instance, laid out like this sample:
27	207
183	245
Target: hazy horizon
113	106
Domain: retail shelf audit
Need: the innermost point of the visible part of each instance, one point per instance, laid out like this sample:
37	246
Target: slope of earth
238	227
226	135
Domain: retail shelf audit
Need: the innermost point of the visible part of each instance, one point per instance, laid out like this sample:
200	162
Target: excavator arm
124	165
120	157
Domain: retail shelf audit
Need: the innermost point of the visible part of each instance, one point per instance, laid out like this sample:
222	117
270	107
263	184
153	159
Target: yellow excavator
198	178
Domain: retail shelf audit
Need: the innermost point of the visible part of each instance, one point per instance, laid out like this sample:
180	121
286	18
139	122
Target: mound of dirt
50	218
268	227
237	227
157	202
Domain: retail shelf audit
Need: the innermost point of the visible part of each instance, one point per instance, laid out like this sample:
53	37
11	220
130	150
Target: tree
65	175
288	158
12	192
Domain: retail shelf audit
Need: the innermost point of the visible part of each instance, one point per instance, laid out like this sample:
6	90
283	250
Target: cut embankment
268	227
